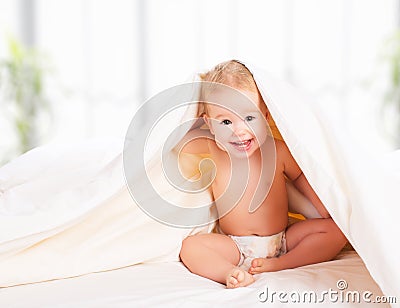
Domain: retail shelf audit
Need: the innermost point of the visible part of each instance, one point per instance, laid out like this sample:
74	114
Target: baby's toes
257	262
238	275
231	282
235	277
256	265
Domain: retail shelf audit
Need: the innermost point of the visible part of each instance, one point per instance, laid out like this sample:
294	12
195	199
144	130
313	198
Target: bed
170	284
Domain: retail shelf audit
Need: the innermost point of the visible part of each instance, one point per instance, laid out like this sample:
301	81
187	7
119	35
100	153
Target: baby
250	192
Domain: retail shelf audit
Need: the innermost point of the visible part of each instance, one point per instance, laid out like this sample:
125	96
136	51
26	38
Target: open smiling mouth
243	145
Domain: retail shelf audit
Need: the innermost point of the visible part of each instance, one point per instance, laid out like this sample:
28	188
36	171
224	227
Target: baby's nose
240	129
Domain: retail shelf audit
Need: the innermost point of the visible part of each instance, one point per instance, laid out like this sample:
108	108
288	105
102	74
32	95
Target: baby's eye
249	118
226	122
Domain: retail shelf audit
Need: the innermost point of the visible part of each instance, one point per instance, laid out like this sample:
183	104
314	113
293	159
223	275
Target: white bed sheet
170	284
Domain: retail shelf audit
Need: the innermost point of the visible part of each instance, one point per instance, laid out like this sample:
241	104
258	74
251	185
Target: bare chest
244	186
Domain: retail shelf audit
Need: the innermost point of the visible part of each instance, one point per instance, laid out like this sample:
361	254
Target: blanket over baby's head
66	210
360	193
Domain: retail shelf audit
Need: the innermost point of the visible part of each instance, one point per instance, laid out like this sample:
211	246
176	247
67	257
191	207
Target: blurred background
77	69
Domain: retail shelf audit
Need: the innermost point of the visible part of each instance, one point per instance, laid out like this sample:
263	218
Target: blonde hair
231	73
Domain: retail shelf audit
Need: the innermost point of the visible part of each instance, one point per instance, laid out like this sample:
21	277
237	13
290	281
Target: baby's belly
267	220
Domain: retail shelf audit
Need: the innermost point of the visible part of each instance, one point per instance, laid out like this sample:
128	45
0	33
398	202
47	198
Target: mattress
170	284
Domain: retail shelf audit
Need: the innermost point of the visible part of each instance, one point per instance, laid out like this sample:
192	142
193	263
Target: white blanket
65	210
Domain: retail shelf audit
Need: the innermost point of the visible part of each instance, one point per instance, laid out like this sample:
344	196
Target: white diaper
254	246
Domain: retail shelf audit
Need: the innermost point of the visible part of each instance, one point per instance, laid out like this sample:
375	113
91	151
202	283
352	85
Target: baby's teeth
242	143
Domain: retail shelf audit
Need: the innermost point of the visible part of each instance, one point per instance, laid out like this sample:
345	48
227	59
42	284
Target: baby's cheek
222	132
220	146
260	130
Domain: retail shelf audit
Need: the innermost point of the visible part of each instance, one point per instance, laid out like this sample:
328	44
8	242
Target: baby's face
238	122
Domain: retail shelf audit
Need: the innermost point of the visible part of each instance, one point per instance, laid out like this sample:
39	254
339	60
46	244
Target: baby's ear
208	122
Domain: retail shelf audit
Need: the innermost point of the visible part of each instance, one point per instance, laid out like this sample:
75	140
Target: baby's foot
238	278
261	265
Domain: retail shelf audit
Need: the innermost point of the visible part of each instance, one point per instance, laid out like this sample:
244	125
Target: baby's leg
214	256
308	242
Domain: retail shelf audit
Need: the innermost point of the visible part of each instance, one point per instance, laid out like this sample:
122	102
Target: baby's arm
294	173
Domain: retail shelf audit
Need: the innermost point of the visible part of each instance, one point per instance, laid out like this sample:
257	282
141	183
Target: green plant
21	86
391	105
